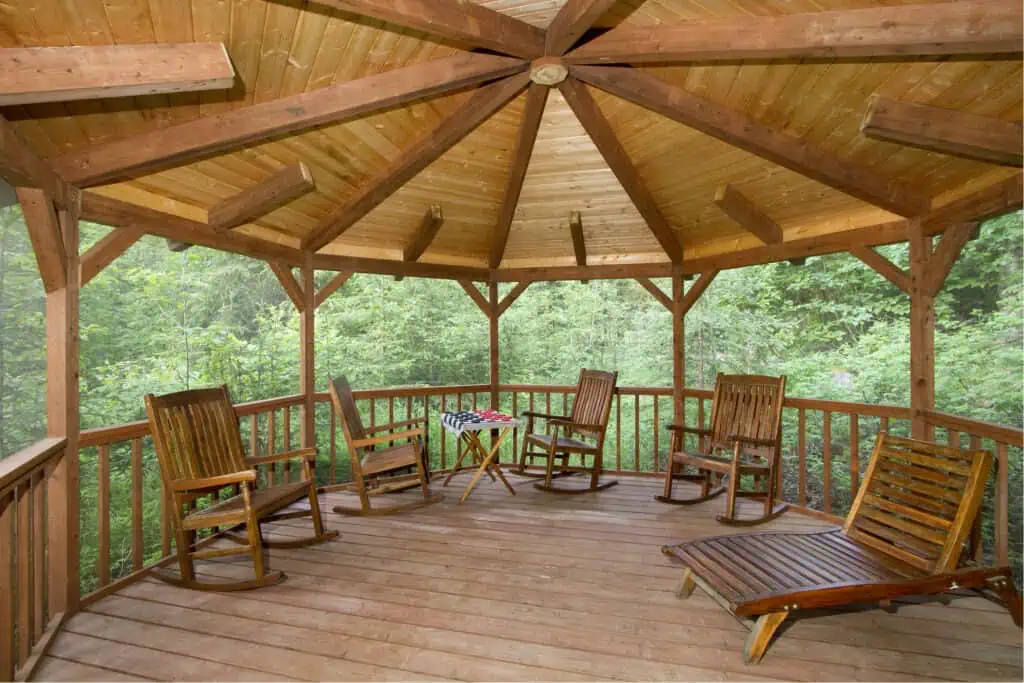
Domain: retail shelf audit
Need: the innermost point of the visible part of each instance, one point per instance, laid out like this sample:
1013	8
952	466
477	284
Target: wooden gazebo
490	141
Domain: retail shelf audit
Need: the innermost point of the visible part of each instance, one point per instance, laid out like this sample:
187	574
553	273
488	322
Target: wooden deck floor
536	587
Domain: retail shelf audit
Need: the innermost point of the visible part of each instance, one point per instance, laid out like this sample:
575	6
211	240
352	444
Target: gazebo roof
722	138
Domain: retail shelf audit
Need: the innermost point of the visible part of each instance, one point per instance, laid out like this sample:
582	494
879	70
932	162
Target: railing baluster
565	403
137	541
391	415
657	459
854	454
618	431
24	558
977	545
39	551
953	438
254	435
7	616
426	434
1002	505
286	444
826	469
474	400
884	425
636	433
444	437
548	403
801	453
332	466
103	515
271	445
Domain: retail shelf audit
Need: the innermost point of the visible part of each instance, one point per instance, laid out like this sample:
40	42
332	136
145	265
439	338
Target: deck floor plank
531	587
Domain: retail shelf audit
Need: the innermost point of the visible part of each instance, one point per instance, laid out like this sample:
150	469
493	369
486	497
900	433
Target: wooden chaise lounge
904	536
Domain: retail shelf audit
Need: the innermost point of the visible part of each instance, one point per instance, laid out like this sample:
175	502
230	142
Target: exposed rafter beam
743	132
884	267
695	291
106	251
336	283
185	142
400	268
603	137
455	20
288	282
120	214
571	22
988	202
82	72
945	255
966	27
511	297
45	235
275	191
579	247
664	299
479	299
536	98
946	131
432	221
425	150
747	214
20	166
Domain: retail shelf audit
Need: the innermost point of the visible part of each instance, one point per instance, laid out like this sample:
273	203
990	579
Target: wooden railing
826	447
27	621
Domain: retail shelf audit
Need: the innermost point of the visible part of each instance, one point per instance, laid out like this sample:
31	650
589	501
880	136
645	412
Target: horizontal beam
739	130
275	191
456	20
21	166
989	202
947	131
979	27
750	217
83	72
186	142
400	268
120	214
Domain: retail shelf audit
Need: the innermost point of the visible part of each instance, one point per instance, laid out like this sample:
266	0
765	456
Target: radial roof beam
571	22
275	191
579	246
82	72
536	99
186	142
20	166
946	131
601	133
735	205
427	149
741	131
980	27
429	226
459	21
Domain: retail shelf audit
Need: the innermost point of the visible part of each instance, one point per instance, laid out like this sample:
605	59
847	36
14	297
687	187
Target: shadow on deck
536	587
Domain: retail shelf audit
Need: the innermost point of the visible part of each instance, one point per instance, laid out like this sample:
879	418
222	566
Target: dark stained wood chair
199	447
375	468
904	536
743	441
580	433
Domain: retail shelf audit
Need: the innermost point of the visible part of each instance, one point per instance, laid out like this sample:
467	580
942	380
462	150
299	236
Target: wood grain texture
746	213
44	233
22	166
274	191
433	219
571	22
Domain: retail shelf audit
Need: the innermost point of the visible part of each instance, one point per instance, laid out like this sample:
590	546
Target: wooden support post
307	366
492	290
922	329
678	347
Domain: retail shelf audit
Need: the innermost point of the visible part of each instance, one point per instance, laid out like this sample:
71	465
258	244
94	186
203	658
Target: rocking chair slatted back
351	421
593	402
748	406
196	433
918	501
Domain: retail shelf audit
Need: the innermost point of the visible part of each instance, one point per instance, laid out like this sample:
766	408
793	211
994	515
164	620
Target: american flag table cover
476	420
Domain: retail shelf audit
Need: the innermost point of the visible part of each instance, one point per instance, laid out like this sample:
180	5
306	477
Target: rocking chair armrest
393	425
374	440
303	453
752	441
213	482
574	426
691	430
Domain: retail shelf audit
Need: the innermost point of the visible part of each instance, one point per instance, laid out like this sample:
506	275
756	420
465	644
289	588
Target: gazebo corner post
678	346
922	330
307	355
493	316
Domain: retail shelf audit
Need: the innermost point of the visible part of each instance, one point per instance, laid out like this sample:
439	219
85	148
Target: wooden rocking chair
369	462
581	433
744	439
904	536
200	451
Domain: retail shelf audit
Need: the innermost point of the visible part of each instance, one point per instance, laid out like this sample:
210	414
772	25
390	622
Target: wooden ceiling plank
45	235
981	138
740	131
119	214
21	166
511	297
695	291
401	268
82	72
454	20
336	283
433	219
579	246
477	297
980	27
416	157
282	187
186	142
603	137
942	260
536	100
989	202
571	22
288	282
883	267
655	291
739	208
106	251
